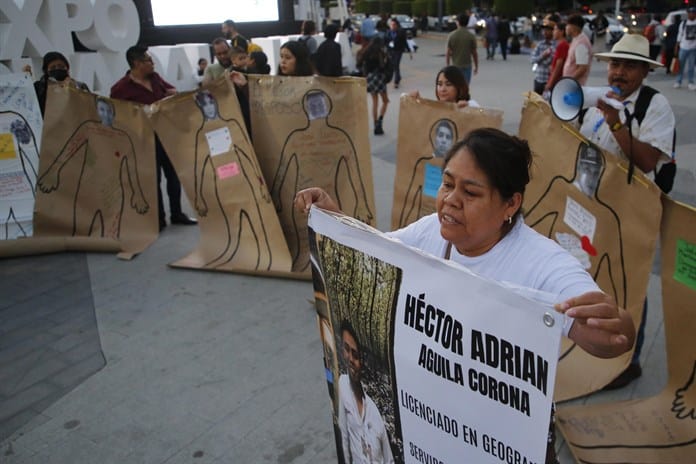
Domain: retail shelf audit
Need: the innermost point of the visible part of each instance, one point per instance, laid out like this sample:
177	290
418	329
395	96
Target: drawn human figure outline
241	164
25	143
589	169
339	165
97	139
443	134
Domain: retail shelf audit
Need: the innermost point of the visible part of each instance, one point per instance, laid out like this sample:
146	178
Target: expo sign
31	28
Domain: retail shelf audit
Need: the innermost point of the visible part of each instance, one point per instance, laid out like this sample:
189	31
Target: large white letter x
22	29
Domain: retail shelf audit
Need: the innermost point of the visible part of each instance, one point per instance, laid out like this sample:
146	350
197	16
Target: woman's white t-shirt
523	257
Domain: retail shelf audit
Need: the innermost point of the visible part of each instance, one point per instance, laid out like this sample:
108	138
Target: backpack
649	32
664	177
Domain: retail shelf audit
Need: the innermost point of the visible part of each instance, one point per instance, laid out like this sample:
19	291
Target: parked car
407	23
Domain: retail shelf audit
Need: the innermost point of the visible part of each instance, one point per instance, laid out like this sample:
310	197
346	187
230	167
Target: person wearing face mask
55	68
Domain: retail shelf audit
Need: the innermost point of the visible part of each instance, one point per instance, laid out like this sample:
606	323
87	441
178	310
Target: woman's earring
509	220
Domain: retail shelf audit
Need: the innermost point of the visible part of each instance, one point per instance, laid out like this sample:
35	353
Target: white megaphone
568	97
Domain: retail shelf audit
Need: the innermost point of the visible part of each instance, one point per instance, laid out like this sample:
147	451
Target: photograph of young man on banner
365	415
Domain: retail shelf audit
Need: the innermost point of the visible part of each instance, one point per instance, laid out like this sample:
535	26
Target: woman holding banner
451	86
479	224
294	60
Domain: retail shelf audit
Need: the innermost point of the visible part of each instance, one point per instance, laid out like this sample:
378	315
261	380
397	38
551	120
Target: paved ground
206	367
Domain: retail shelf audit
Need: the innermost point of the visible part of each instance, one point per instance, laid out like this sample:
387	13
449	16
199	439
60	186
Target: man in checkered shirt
542	56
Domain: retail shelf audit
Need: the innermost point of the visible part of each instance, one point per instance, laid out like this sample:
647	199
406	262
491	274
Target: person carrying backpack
654	32
645	140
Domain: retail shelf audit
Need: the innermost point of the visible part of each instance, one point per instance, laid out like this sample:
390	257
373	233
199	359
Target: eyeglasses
147	59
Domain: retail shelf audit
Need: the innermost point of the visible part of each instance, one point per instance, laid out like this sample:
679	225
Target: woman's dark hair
374	48
505	159
53	56
303	65
456	77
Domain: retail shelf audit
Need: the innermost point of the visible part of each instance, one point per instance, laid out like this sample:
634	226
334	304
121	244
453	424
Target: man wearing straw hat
647	144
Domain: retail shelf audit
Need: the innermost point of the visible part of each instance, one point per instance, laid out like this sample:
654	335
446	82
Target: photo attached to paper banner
418	374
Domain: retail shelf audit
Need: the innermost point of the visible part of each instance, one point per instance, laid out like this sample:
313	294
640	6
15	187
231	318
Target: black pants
539	87
655	51
503	46
669	56
173	184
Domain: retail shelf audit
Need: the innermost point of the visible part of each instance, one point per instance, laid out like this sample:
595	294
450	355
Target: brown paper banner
312	132
204	135
579	196
427	129
96	171
661	428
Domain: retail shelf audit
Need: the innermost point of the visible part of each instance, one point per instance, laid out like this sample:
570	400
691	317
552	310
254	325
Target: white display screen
168	13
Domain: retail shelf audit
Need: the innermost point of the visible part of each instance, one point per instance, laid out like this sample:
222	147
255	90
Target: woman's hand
601	328
462	103
304	199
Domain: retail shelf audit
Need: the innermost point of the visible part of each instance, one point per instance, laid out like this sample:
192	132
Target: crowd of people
478	221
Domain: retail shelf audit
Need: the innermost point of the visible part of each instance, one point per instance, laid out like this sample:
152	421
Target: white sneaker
677	85
692	86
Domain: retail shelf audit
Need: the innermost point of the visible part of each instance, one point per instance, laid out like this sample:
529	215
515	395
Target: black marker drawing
100	196
318	154
27	154
231	165
589	169
443	134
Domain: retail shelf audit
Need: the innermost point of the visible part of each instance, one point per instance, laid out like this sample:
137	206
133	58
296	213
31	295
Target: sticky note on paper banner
219	141
433	179
685	266
227	170
7	147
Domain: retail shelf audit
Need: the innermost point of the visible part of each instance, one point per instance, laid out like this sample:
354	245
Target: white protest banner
427	362
20	140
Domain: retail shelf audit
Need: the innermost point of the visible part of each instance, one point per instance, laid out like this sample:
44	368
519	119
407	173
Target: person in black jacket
396	46
503	35
55	68
327	59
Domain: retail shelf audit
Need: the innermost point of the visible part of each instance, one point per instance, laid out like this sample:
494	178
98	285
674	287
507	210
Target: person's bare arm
644	155
555	74
580	71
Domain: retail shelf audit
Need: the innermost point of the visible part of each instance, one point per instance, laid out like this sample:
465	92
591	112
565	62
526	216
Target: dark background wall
171	35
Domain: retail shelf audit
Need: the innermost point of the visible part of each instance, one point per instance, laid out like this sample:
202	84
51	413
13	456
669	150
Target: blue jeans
686	61
466	70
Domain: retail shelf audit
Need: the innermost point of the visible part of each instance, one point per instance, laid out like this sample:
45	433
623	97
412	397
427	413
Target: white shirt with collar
656	129
364	436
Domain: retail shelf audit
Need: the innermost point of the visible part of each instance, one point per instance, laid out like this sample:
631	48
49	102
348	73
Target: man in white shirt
647	144
363	434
